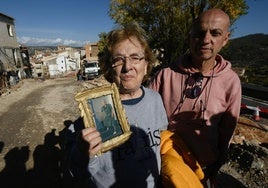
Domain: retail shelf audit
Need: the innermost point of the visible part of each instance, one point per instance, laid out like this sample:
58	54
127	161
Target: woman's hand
93	138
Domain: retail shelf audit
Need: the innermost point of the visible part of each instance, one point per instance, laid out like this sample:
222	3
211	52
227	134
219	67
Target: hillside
250	52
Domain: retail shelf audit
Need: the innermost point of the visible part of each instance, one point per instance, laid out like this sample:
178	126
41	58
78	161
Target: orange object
179	168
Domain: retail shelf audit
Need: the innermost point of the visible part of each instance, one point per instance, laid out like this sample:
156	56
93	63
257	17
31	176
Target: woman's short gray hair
120	34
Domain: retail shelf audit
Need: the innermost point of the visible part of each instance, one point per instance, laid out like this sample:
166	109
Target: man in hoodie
202	94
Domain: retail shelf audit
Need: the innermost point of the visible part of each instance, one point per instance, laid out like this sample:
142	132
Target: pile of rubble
248	157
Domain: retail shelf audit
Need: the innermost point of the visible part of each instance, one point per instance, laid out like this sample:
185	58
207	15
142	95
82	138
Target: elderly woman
127	60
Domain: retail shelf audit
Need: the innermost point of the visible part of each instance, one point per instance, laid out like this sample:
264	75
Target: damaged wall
11	63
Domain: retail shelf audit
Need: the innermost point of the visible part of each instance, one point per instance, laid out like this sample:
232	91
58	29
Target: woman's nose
127	65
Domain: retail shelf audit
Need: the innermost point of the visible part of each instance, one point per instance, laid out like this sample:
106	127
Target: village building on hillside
91	52
15	63
14	58
63	60
57	63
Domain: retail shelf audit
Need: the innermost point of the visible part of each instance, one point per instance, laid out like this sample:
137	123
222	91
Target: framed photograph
101	107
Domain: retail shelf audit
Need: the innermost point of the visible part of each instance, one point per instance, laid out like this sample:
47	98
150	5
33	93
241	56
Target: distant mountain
250	50
31	49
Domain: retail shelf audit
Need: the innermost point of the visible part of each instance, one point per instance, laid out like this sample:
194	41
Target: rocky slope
248	157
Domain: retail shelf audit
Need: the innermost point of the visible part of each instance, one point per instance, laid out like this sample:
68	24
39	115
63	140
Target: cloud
32	41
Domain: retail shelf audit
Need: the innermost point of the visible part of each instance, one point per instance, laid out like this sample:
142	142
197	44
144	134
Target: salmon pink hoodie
205	123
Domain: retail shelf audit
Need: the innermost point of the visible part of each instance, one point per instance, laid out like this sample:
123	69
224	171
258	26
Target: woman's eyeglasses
194	86
120	60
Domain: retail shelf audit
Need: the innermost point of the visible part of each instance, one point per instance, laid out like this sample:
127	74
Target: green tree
168	22
102	41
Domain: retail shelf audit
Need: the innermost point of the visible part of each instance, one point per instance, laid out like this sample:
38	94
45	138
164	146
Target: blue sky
256	21
74	23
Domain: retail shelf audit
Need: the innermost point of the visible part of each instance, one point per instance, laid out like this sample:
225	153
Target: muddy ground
34	115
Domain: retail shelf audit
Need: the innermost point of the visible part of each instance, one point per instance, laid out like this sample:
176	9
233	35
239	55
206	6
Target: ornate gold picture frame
101	107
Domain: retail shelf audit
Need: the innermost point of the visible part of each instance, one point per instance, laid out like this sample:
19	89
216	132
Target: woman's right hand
93	138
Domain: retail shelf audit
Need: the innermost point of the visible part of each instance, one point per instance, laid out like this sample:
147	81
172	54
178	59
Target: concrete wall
8	37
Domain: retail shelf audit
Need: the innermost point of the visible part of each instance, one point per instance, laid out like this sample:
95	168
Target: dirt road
34	110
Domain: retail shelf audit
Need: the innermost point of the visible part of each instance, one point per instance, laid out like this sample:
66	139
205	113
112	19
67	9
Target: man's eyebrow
217	30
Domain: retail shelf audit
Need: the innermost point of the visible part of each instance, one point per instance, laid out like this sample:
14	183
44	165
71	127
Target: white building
63	61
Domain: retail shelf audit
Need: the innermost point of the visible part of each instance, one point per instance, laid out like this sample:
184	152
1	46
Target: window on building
10	30
15	55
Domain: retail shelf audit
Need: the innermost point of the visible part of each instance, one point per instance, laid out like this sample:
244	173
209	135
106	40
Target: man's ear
226	39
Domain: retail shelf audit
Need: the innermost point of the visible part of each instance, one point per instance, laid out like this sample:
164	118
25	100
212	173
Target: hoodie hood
220	68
